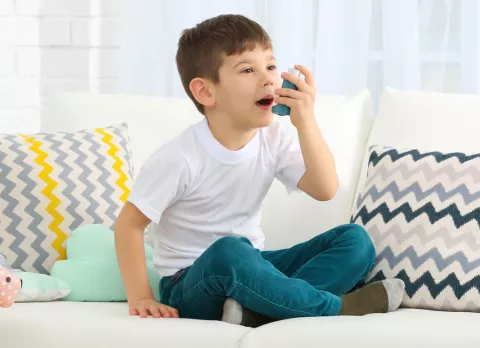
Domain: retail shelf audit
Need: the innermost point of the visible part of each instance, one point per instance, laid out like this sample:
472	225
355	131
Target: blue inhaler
280	109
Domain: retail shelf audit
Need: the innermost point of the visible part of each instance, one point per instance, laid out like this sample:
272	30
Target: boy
203	192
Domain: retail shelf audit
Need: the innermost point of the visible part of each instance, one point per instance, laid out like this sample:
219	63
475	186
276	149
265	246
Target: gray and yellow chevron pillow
422	211
52	183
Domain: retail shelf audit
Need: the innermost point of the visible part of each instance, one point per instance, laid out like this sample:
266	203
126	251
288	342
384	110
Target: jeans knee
226	245
363	247
228	253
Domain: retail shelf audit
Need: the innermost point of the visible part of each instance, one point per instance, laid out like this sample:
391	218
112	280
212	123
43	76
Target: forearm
131	259
320	179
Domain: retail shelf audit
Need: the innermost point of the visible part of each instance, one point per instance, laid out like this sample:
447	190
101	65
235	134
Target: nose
269	79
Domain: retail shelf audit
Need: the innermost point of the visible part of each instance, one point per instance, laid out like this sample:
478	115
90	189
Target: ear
202	91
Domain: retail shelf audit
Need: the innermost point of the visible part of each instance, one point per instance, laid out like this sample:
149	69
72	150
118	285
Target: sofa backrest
345	123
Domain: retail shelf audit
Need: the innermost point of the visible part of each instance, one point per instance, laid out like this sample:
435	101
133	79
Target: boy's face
246	88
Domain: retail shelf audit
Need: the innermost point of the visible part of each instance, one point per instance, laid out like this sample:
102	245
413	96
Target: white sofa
436	121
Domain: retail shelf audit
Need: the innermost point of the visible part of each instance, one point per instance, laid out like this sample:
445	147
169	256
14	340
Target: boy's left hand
301	102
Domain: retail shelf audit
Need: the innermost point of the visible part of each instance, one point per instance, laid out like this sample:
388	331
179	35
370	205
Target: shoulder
176	154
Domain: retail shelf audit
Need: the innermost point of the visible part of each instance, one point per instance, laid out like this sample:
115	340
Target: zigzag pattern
406	210
52	183
435	288
10	215
422	210
440	260
401	236
110	211
64	176
49	194
36	220
416	155
124	143
405	171
93	205
112	151
439	190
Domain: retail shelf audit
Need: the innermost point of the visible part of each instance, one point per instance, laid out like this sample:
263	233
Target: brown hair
201	49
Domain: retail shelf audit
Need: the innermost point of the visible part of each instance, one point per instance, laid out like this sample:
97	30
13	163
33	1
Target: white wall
49	45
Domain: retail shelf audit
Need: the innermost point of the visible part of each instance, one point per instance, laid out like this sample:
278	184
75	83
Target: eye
248	70
272	67
8	279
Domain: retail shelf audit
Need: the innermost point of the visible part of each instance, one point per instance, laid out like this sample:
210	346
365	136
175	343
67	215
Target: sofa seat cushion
404	328
88	324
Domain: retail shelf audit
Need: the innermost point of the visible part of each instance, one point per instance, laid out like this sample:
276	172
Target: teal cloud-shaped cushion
91	268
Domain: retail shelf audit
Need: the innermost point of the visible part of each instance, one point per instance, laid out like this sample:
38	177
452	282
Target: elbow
325	196
332	193
327	193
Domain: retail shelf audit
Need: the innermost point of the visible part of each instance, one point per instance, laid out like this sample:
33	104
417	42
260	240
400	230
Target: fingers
142	311
174	312
304	85
291	97
164	311
309	79
290	102
155	312
296	80
288	92
159	311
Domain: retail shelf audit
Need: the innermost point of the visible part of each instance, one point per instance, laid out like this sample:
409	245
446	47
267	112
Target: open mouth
265	103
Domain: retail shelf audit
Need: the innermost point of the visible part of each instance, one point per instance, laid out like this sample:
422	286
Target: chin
264	120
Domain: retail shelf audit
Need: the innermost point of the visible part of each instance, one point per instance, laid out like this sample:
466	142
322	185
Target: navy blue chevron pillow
422	211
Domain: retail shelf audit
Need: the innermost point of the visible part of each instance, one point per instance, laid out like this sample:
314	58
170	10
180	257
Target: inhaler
281	109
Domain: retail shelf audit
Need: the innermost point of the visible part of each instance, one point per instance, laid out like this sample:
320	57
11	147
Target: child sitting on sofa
203	192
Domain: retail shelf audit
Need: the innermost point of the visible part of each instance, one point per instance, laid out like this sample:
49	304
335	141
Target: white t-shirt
196	191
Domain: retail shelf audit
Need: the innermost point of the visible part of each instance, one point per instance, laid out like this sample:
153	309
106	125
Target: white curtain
428	45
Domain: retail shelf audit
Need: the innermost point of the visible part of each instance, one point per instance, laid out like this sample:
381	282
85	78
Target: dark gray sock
378	297
235	313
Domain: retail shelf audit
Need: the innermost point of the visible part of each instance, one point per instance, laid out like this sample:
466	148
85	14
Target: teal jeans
303	281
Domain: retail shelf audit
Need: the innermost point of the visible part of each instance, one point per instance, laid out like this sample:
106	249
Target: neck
229	135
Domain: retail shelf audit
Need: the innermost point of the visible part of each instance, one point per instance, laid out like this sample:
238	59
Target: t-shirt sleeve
162	181
290	165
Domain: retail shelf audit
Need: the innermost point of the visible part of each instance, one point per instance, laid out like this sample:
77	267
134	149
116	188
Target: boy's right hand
145	307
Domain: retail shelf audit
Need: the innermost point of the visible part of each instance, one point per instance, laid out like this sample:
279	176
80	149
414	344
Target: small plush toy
10	287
